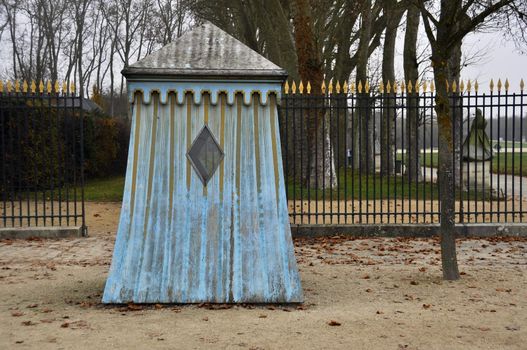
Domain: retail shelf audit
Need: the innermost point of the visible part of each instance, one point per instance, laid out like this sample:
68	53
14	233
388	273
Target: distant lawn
351	186
502	163
104	190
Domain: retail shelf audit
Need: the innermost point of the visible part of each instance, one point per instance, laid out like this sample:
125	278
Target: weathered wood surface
179	242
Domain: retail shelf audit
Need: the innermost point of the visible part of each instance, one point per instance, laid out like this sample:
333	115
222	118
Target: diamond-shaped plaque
205	154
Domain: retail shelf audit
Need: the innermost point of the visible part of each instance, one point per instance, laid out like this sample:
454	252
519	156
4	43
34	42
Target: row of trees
86	42
334	39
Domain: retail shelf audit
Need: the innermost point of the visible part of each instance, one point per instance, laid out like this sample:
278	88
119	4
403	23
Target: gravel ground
359	293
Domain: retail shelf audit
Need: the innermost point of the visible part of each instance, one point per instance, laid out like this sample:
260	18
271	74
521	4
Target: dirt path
384	293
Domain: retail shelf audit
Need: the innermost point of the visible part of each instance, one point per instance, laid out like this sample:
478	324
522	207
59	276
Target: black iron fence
41	150
355	155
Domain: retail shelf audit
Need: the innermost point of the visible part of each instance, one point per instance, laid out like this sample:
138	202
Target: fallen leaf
17	314
414	283
28	323
134	307
426	306
334	323
262	316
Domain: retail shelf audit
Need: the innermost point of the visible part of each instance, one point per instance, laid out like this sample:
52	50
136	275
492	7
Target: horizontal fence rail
42	151
354	155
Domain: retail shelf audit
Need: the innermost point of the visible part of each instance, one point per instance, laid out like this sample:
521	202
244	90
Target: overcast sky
501	60
496	58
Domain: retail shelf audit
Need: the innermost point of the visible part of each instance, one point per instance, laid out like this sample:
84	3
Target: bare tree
445	31
411	76
393	12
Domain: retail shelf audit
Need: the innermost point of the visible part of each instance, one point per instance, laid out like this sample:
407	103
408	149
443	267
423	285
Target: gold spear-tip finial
417	86
433	87
330	87
381	87
403	87
507	85
353	87
359	87
491	85
469	86
17	86
33	87
499	85
425	86
323	87
454	86
72	88
286	87
301	87
522	85
337	87
308	87
367	87
388	87
461	86
9	86
345	87
41	86
409	87
293	87
476	86
64	87
48	87
57	86
24	87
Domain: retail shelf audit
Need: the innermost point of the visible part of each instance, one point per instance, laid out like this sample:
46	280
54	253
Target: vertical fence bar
521	153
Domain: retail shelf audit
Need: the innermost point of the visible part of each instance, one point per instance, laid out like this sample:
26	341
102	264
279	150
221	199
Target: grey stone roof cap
206	51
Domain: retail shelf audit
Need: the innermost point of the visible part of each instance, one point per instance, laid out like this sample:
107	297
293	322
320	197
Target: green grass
508	144
104	190
351	186
502	163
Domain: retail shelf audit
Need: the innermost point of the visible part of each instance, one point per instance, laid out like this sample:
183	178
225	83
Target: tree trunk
411	74
320	161
393	16
446	166
454	68
362	121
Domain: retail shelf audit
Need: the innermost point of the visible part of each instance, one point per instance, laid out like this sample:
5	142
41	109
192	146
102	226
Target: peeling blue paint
207	249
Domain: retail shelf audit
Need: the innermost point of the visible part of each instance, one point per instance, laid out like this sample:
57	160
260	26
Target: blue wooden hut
204	215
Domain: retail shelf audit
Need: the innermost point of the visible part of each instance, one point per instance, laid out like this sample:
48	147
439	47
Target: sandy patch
384	293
